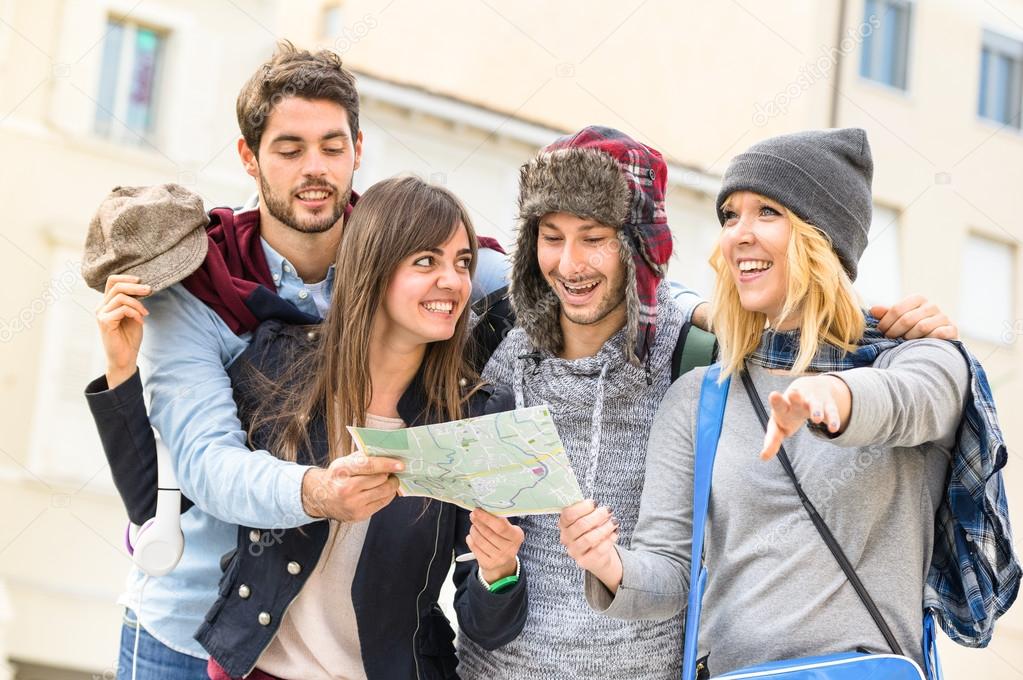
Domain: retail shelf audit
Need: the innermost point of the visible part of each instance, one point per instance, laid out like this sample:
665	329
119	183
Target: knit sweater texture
603	408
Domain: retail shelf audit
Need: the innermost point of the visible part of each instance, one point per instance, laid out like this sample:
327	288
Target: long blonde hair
819	292
393	220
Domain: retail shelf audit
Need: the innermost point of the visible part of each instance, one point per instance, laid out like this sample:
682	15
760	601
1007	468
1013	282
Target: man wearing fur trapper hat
597	328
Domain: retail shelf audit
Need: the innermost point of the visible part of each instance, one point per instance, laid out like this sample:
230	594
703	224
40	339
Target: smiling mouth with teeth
446	307
754	266
579	290
313	195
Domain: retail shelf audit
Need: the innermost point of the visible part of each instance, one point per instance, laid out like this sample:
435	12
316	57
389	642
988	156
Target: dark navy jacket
405	558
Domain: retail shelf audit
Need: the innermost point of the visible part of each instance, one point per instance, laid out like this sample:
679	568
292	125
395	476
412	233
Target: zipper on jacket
426	584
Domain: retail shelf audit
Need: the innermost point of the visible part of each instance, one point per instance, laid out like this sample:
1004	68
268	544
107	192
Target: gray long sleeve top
774	590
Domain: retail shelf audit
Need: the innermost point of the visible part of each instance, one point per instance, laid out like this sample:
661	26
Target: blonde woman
795	211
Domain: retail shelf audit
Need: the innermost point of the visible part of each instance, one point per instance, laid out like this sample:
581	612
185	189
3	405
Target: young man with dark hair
301	143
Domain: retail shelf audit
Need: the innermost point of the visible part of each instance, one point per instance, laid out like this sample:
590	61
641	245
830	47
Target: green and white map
510	463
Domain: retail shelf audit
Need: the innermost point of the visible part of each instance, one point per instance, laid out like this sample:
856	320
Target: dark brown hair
292	72
394	219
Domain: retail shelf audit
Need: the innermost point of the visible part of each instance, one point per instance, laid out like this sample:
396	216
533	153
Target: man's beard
283	210
614	299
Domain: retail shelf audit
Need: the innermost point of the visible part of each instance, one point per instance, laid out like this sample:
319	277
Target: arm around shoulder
186	352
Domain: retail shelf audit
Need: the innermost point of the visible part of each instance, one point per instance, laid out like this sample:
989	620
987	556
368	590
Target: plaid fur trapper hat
601	174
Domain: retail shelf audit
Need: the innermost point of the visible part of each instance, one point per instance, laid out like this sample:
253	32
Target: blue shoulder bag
844	666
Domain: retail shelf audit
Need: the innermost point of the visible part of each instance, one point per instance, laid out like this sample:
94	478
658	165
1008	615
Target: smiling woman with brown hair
390	354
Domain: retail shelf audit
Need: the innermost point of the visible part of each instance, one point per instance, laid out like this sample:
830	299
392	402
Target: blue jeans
156	661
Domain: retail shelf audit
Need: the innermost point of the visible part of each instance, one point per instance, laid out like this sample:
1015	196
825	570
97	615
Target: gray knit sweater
774	591
603	409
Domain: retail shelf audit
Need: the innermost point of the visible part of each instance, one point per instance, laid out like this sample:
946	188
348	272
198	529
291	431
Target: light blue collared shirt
292	288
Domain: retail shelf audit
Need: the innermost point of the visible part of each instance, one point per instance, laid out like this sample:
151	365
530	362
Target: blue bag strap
708	430
932	664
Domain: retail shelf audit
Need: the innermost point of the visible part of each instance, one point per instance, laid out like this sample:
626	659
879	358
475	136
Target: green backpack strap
695	347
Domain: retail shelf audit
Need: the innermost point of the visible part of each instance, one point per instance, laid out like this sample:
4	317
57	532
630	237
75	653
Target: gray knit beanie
823	176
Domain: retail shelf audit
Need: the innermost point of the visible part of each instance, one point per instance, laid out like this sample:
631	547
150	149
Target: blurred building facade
98	93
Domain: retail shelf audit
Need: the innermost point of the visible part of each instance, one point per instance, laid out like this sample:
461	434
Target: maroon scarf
235	267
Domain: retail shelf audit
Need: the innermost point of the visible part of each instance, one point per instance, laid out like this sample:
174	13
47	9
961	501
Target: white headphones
157	545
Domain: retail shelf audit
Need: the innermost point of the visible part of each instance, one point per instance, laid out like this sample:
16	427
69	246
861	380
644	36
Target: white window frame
118	130
876	45
338	10
71	348
1001	331
1012	48
885	226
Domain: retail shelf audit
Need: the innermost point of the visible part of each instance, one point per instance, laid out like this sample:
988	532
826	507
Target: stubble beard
281	208
612	301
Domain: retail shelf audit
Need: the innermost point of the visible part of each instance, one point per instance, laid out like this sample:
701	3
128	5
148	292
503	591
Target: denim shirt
186	351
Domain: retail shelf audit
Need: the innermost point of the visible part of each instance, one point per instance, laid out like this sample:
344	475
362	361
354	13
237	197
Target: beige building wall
461	93
61	542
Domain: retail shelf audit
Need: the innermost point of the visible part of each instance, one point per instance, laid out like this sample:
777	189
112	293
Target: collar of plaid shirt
974	575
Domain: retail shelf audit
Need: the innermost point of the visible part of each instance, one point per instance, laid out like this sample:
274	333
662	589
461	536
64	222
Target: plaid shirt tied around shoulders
974	574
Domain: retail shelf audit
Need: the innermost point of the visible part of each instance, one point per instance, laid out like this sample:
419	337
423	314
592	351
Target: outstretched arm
914	393
913	318
185	354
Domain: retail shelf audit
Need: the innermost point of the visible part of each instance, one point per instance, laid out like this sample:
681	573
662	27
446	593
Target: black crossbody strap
822	528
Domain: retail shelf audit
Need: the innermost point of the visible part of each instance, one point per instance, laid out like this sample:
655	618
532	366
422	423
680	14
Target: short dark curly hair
292	72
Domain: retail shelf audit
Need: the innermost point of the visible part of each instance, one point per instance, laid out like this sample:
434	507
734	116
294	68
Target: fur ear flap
537	308
631	298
